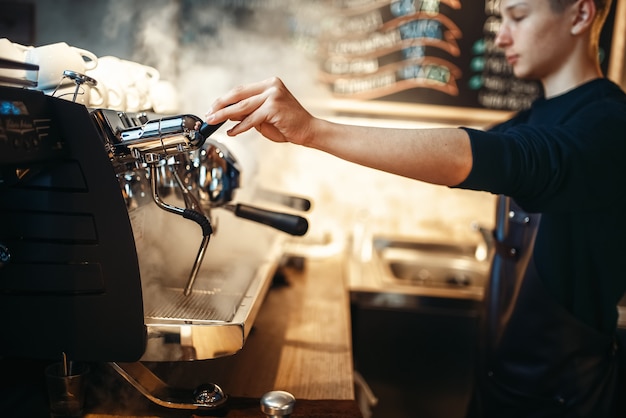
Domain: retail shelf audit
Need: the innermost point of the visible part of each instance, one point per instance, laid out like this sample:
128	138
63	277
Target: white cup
115	94
99	96
109	70
114	74
129	83
55	58
134	99
14	52
140	80
111	76
116	97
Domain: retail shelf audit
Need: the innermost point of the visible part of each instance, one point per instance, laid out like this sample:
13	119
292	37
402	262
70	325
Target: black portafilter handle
286	222
207	130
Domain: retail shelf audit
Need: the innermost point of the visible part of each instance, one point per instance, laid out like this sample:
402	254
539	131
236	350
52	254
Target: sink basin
429	264
392	271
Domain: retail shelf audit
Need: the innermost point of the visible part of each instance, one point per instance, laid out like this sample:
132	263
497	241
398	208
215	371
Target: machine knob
209	395
277	403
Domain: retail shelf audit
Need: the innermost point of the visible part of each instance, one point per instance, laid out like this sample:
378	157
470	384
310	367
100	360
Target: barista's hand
267	106
438	156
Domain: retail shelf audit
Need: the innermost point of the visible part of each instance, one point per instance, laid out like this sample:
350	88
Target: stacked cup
120	84
128	83
53	60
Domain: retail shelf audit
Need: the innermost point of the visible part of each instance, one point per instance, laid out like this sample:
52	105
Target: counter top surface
300	343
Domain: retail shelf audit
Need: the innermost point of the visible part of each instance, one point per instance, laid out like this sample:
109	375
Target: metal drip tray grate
216	296
199	306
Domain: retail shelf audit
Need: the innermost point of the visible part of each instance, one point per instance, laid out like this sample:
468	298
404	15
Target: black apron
537	360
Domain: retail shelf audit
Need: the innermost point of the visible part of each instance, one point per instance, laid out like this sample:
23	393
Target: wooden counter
300	343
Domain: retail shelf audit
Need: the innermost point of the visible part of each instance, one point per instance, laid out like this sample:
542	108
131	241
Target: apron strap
539	360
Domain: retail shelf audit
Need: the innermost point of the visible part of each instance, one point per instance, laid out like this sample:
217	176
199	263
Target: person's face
535	39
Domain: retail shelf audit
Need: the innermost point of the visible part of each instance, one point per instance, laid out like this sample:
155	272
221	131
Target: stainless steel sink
411	272
420	263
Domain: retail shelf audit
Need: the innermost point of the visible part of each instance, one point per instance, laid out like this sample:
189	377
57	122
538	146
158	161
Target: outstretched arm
438	156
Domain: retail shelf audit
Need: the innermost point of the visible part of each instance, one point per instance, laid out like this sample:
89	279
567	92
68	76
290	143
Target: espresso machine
72	180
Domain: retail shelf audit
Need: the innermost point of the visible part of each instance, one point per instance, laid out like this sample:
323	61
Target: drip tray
199	306
216	296
214	320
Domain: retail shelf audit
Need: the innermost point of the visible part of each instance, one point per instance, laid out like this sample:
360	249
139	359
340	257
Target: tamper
277	403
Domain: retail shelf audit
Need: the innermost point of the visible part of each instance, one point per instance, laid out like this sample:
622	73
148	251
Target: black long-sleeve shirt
565	158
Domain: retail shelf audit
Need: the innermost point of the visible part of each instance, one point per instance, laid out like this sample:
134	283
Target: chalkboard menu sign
428	52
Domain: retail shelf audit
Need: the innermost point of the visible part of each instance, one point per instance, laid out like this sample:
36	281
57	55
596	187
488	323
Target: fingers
240	93
239	104
236	111
250	113
253	106
246	112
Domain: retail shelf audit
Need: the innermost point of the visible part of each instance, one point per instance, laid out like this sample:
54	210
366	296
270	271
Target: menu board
434	52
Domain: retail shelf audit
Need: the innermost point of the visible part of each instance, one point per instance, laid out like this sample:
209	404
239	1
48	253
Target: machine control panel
27	131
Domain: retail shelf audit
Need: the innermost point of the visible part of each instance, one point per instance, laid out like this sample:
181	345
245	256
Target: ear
584	14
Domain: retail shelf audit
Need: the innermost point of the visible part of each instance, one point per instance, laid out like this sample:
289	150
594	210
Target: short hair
602	11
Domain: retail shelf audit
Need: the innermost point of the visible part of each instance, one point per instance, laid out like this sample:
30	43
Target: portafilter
215	173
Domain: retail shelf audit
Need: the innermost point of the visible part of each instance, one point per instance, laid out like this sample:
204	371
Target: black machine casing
69	273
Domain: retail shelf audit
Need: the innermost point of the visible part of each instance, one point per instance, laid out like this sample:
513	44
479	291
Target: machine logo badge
5	255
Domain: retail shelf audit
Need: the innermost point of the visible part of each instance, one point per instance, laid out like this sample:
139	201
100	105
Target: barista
551	351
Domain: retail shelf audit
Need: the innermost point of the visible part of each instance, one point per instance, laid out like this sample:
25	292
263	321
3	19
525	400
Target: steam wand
186	213
191	202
